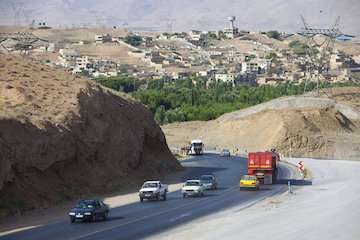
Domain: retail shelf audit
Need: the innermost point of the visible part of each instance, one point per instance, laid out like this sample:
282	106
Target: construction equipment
263	165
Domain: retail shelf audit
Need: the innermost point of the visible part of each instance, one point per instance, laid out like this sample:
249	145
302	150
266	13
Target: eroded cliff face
295	126
62	137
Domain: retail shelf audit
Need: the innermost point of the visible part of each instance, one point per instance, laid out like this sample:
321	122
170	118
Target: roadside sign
301	168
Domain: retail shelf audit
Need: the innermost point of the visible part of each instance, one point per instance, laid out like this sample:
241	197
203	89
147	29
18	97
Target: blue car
89	210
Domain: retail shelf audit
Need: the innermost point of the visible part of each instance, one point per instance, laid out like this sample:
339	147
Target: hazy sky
184	14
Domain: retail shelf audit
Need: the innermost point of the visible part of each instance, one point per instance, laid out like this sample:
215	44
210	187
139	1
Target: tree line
192	99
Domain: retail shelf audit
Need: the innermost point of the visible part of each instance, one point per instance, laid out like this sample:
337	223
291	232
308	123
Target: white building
198	38
102	38
249	67
225	77
68	54
231	33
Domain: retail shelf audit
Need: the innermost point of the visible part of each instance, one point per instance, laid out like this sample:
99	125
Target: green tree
273	34
160	114
122	83
133	40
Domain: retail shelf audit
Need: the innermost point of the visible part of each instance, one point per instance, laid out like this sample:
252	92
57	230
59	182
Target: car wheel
164	196
184	195
72	219
141	199
94	218
105	216
158	197
202	194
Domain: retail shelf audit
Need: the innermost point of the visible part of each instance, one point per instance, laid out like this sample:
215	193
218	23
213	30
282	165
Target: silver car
209	181
225	153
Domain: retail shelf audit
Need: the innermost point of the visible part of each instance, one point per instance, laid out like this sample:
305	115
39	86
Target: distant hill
188	14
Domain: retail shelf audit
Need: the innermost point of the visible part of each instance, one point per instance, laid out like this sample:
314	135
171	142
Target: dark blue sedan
89	210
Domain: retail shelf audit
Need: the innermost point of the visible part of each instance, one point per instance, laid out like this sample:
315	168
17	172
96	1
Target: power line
319	52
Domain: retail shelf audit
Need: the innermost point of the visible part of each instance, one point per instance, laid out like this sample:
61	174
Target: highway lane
139	220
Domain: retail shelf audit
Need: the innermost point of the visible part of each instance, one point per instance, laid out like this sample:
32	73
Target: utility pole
17	8
319	53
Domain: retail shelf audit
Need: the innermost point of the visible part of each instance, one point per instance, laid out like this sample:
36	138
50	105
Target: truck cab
196	147
153	190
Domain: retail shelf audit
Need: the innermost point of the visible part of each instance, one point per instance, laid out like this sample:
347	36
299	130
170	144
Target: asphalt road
140	220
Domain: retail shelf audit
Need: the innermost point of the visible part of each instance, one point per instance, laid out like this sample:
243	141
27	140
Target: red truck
263	165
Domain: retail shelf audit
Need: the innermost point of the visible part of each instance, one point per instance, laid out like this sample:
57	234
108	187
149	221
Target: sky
184	15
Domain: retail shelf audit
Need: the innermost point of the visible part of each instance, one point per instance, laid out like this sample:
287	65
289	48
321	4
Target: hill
63	137
305	126
206	14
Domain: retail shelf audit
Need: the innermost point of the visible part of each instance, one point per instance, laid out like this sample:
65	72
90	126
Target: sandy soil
57	129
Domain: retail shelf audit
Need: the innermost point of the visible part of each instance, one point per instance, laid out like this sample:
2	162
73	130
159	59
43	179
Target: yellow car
249	182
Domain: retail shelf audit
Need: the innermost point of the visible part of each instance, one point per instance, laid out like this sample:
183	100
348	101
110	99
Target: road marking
18	230
180	217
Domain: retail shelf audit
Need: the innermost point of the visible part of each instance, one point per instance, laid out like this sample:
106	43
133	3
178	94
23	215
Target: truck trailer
264	166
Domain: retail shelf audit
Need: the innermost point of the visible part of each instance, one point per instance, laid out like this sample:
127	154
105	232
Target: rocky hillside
307	126
62	137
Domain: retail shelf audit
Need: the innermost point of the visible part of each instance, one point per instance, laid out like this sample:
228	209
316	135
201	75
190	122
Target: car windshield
249	178
150	185
206	178
85	205
197	144
192	183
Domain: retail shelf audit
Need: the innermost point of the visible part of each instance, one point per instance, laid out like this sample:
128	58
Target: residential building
198	38
102	38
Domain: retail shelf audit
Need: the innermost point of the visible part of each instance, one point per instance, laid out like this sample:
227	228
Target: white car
153	190
193	188
225	153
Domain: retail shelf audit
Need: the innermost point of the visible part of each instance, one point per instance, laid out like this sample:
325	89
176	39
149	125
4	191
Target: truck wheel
141	199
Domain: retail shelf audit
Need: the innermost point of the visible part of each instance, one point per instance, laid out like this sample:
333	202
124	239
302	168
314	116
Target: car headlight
71	213
87	213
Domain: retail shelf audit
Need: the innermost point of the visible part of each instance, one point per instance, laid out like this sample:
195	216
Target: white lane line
180	217
153	215
18	230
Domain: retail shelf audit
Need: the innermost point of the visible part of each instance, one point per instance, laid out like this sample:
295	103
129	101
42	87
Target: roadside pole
289	187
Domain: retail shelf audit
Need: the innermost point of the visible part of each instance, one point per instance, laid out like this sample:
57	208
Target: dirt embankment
62	137
296	126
